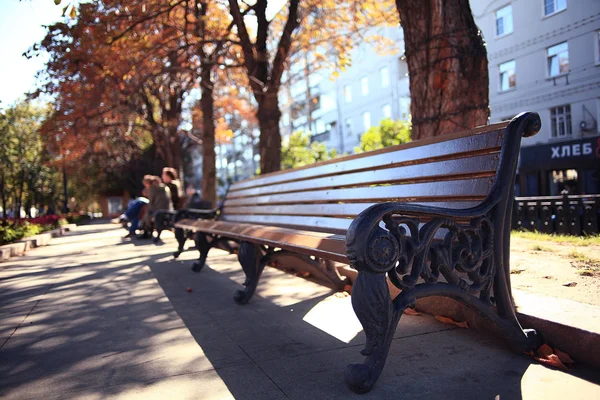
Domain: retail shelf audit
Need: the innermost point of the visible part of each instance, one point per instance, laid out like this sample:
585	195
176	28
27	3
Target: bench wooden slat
319	224
468	189
478	166
332	210
326	245
447	147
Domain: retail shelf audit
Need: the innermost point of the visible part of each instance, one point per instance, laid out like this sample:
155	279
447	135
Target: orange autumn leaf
411	311
553	361
544	351
450	321
564	357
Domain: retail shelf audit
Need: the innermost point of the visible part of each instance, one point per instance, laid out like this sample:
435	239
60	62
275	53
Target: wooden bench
432	216
165	219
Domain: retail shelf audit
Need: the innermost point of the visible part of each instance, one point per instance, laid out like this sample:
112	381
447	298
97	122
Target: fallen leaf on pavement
450	321
411	311
564	357
553	361
544	351
551	357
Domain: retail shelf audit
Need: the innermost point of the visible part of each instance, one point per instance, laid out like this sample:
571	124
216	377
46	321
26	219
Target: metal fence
568	215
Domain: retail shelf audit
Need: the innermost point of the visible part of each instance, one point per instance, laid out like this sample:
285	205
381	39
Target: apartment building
340	110
544	56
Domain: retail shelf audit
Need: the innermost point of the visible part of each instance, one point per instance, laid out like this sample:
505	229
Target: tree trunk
19	198
173	153
270	137
209	172
3	193
447	64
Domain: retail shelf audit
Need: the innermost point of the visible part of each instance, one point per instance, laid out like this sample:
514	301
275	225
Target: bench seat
325	245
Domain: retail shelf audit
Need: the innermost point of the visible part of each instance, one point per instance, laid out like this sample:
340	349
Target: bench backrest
455	171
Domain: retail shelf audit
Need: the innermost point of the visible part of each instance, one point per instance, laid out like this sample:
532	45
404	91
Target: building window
560	121
315	103
386	111
508	77
364	86
405	108
554	6
384	75
597	46
348	123
504	21
366	117
558	59
319	126
347	93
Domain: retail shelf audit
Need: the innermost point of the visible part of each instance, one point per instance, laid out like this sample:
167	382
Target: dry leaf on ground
411	311
564	357
552	357
544	351
450	321
553	361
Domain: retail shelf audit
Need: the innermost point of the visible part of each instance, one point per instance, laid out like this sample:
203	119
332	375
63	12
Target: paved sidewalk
92	317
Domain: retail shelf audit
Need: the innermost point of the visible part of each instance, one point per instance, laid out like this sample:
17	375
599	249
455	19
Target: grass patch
545	237
537	247
586	266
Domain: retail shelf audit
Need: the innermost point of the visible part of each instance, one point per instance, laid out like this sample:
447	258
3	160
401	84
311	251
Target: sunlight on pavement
336	317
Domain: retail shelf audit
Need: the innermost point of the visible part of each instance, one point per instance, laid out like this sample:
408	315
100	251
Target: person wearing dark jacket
159	197
169	177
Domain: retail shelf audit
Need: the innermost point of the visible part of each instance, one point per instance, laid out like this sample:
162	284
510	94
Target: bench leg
379	316
181	237
203	247
250	257
157	237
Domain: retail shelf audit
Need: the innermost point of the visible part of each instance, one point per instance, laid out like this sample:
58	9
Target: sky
20	27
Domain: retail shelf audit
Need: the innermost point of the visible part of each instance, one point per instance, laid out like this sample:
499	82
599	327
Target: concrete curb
568	325
22	246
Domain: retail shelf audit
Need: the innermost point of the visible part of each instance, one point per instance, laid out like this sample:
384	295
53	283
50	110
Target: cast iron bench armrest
421	241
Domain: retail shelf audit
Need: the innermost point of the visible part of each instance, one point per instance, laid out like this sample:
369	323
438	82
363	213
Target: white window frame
501	72
319	126
555	5
384	77
348	93
364	85
505	19
386	107
549	57
366	120
561	115
597	48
